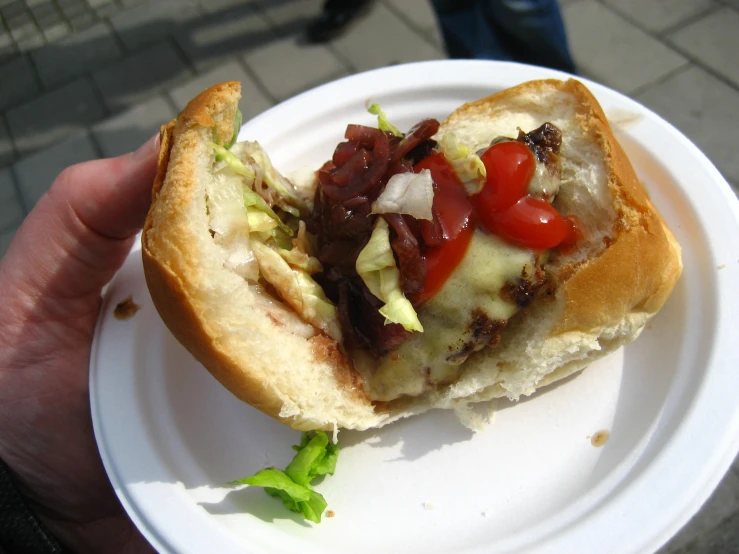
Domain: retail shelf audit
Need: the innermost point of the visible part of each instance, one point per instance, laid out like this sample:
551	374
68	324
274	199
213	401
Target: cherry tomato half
441	261
510	167
449	235
530	222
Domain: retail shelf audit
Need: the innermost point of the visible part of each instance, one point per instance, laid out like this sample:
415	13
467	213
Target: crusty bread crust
170	261
601	290
603	298
167	278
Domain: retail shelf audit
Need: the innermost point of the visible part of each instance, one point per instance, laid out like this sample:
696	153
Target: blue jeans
527	31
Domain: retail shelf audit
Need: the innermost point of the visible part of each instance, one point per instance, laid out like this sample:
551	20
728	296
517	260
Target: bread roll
604	292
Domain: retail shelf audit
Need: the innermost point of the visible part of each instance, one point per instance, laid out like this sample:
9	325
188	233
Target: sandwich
487	255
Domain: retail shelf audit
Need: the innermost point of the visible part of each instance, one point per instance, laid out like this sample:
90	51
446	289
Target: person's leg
528	31
334	19
532	31
466	31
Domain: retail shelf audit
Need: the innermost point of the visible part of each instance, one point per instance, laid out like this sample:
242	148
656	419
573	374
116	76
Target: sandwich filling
410	250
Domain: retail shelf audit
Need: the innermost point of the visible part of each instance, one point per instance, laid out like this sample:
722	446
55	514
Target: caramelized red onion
342	222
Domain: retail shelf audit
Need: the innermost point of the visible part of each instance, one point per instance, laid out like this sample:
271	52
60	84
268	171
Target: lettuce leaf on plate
316	456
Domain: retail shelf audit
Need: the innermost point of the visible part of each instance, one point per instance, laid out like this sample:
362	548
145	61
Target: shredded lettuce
382	121
234	162
229	224
466	163
407	193
283	193
253	200
299	259
298	289
238	118
260	222
316	456
376	266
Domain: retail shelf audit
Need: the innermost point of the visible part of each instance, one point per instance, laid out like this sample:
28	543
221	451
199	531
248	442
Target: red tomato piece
448	236
530	222
441	261
510	167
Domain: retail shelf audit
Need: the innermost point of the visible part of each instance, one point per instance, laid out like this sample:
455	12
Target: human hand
68	248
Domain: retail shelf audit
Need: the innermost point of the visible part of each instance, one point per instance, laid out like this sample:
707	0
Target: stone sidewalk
81	79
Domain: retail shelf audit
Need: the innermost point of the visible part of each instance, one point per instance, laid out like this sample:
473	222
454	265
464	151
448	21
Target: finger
111	196
80	231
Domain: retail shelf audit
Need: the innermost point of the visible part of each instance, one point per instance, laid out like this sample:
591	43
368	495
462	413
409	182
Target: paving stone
107	10
11	209
290	18
418	12
10	9
658	15
36	172
721	506
714	41
381	39
73	9
77	54
31	42
705	109
253	100
149	22
18	82
140	76
82	21
213	6
300	66
21	27
7	46
46	14
7	152
215	38
5	239
56	32
54	116
611	50
128	130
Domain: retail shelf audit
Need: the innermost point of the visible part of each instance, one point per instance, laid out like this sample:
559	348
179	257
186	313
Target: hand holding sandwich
67	249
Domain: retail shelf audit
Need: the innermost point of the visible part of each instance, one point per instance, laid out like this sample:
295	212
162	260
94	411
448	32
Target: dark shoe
333	22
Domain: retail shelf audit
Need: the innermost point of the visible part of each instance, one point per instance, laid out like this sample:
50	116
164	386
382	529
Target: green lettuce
376	266
316	456
468	166
382	121
297	288
253	200
233	161
238	118
280	191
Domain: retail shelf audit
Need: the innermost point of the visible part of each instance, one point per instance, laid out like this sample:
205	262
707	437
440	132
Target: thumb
81	230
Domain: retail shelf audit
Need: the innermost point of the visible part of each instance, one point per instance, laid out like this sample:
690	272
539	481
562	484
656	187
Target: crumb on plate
599	438
125	309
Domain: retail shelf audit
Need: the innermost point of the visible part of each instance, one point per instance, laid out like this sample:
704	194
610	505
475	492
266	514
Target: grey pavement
81	79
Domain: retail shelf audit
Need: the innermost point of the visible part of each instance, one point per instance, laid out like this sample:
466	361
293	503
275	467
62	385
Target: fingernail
148	149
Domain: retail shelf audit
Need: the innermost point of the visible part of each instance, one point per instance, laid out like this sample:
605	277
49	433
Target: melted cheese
426	359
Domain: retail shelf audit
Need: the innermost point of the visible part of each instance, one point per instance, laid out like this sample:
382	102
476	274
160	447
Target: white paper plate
170	435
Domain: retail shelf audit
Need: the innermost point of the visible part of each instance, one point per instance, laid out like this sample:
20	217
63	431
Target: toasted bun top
618	277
